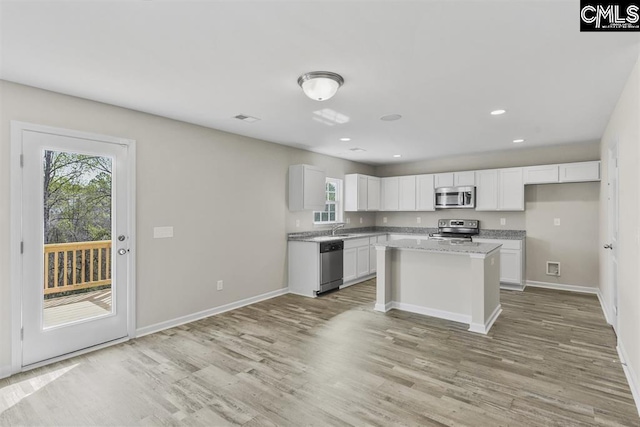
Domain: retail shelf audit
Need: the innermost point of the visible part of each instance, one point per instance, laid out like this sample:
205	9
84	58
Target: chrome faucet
336	227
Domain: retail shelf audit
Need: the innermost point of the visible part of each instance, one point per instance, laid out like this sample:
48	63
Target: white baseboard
629	372
5	371
484	328
447	315
605	309
383	307
511	287
563	287
207	313
358	280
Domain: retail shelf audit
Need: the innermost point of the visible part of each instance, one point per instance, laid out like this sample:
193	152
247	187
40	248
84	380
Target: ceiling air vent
247	119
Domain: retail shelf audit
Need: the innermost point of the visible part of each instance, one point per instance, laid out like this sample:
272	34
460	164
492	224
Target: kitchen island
449	280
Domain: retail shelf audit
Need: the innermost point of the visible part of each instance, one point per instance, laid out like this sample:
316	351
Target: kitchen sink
327	238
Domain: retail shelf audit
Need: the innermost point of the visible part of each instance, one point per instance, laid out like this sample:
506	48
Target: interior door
75	231
613	245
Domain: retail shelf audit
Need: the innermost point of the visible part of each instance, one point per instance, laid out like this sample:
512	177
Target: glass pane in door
77	237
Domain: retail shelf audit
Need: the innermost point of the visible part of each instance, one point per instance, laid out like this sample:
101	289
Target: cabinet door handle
608	246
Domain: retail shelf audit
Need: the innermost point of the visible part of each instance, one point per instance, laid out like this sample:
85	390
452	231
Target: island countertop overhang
473	249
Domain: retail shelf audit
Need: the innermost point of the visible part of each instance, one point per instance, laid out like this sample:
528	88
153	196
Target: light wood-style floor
549	360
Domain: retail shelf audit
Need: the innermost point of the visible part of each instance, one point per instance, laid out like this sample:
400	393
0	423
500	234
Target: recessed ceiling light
518	141
498	112
345	139
246	118
390	117
357	150
397	155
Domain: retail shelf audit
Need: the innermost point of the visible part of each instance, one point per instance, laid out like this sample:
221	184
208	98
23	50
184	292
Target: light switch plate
418	220
162	232
556	221
503	221
384	219
360	220
297	223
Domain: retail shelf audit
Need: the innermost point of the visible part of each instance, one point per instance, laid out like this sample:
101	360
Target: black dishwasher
331	264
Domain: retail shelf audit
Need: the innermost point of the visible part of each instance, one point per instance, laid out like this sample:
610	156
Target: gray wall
624	130
573	243
224	194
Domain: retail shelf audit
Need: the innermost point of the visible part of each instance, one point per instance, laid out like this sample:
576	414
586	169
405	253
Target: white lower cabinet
360	258
350	264
511	266
372	251
512	261
363	260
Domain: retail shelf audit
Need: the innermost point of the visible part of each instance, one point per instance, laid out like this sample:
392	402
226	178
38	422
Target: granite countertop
328	237
439	246
356	233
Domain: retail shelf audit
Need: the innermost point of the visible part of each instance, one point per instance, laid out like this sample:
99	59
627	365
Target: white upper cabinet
306	188
407	193
510	189
443	180
499	190
361	193
545	174
487	190
373	193
580	172
390	194
363	188
424	193
462	179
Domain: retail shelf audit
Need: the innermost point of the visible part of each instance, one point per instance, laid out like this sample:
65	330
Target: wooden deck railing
73	266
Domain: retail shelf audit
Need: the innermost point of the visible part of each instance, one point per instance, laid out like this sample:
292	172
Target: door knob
123	251
609	246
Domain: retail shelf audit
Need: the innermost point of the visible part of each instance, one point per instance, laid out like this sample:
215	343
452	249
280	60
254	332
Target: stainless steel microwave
455	197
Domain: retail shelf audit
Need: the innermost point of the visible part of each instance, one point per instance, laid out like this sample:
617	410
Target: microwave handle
461	198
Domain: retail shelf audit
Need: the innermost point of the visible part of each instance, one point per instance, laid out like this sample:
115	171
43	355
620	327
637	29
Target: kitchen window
332	212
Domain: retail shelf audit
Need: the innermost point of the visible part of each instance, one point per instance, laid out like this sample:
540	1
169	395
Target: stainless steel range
457	230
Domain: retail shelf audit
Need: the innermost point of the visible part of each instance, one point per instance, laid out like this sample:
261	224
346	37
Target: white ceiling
442	65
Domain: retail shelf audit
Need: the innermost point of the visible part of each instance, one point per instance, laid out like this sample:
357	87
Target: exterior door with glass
76	241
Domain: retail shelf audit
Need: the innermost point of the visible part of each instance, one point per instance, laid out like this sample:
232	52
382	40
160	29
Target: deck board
71	308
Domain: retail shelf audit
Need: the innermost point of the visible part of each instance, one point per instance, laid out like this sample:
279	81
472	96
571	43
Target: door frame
16	183
614	293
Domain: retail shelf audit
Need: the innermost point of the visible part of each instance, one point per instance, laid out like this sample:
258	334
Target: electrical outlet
503	221
220	285
348	220
384	219
297	223
360	220
418	220
556	221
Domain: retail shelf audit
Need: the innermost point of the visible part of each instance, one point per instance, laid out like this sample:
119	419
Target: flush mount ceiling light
345	139
397	155
320	85
498	112
390	117
518	141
